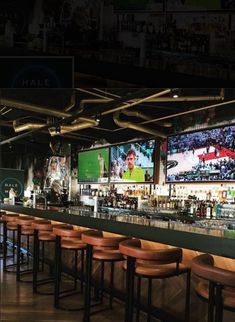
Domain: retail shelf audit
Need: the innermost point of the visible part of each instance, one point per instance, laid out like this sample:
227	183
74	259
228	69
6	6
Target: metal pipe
144	117
27	126
82	123
187	99
139	101
189	112
33	108
137	127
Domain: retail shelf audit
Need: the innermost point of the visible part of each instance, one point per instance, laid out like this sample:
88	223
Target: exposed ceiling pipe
189	112
81	123
138	101
137	127
27	126
144	117
187	99
38	108
33	108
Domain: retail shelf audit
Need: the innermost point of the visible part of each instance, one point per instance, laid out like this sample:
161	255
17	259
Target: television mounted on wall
133	162
206	155
93	165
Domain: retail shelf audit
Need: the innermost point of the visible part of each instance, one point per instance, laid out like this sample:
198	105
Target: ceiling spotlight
97	118
175	92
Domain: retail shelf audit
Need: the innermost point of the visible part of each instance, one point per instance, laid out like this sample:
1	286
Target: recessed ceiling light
175	96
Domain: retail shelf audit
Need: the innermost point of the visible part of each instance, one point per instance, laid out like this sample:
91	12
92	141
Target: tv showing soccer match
206	155
93	165
132	162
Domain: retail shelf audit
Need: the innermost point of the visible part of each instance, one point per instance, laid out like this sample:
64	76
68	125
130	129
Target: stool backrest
96	238
132	248
42	224
203	266
66	232
24	220
10	217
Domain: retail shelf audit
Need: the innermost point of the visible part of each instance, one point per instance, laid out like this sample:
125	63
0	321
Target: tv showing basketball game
206	155
93	165
132	162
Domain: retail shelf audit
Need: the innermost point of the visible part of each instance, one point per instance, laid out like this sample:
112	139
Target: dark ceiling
101	104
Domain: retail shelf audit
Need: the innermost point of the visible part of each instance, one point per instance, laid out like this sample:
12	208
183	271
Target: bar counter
214	241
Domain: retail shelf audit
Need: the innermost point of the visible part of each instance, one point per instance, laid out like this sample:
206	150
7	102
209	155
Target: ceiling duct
137	127
81	123
38	108
27	126
144	117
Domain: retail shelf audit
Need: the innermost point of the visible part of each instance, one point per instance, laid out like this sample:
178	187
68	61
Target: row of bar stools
24	229
103	249
216	286
151	264
9	227
68	239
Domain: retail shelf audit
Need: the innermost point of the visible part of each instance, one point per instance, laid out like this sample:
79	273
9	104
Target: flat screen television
205	155
93	165
132	162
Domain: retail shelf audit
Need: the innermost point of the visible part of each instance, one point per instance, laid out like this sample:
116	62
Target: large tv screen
132	162
206	155
93	165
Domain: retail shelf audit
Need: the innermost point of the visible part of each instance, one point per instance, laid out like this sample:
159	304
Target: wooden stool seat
216	286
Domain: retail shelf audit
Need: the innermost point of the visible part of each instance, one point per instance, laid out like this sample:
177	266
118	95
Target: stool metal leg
149	299
211	302
86	317
111	285
101	286
218	304
75	269
82	270
187	299
18	261
57	271
4	245
130	275
35	260
138	298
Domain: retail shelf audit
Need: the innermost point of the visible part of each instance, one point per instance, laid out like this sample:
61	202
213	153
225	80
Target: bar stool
68	239
216	287
9	226
24	229
103	249
42	233
151	264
